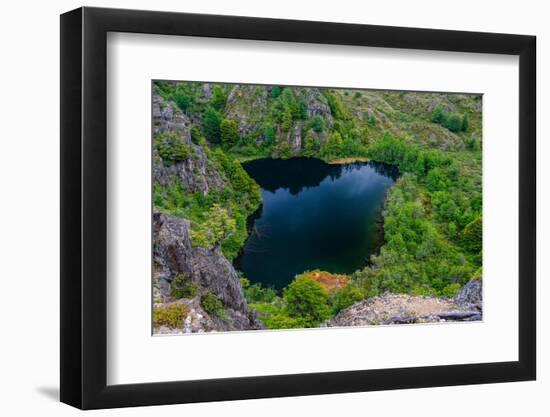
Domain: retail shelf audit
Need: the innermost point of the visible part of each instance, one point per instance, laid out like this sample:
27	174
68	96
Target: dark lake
314	216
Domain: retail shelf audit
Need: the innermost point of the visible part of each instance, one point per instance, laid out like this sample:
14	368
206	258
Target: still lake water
314	216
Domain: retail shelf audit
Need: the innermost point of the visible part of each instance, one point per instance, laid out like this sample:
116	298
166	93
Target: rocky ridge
391	308
200	270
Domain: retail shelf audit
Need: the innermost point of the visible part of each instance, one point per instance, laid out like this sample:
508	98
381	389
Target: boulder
470	295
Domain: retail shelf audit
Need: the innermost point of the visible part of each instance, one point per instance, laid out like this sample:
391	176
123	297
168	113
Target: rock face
317	105
470	295
197	174
204	269
246	104
405	309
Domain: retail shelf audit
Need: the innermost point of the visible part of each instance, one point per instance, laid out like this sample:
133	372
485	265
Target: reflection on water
314	215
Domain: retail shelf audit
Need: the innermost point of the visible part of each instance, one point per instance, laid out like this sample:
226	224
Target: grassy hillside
432	216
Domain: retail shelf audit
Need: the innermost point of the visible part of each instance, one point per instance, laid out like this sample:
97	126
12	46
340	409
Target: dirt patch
328	281
348	160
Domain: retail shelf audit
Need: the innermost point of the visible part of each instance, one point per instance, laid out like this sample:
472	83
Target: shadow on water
314	215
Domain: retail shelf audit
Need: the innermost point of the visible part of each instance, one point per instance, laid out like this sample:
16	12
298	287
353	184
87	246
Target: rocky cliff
199	280
186	274
196	173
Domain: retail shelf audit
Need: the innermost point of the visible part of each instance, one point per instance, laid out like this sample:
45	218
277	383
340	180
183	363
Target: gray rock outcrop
195	174
391	308
205	269
470	295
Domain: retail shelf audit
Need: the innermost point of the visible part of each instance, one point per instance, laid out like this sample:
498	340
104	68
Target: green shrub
211	125
333	147
217	226
438	115
465	122
183	98
170	315
181	288
255	293
285	151
229	133
472	235
306	299
283	321
318	123
335	105
212	304
347	296
218	99
371	121
454	123
450	290
275	91
269	136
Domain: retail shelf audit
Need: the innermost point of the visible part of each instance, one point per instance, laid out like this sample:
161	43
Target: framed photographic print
257	208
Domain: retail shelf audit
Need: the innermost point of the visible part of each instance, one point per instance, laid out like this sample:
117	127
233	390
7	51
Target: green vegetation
432	216
181	288
172	148
170	315
432	224
182	97
229	133
306	300
212	121
212	305
452	121
318	124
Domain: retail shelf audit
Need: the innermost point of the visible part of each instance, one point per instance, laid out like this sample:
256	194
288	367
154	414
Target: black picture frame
84	207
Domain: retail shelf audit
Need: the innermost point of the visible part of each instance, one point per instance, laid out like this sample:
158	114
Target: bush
269	136
218	225
181	288
211	125
218	99
318	124
465	122
182	98
285	151
371	121
333	147
306	300
438	115
212	305
275	91
282	321
255	293
347	296
450	290
170	315
454	123
472	235
172	148
229	133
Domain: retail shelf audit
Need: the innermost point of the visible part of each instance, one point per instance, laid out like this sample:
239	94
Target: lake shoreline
298	171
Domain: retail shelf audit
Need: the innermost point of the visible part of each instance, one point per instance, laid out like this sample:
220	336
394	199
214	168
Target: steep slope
188	179
183	272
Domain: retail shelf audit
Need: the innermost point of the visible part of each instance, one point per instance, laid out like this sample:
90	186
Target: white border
134	356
